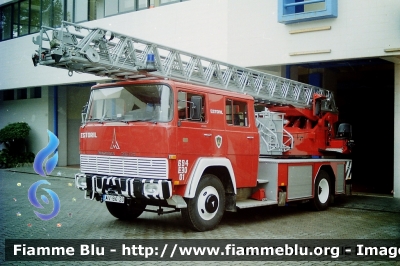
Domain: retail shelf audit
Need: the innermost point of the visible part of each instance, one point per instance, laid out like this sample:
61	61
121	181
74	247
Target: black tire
125	212
205	210
322	192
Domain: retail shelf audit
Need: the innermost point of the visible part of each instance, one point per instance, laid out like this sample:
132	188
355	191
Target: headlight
80	181
150	188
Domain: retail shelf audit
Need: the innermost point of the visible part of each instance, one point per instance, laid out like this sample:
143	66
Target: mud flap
282	199
348	189
230	202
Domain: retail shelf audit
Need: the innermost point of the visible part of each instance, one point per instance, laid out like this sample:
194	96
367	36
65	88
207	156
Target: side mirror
84	112
317	107
195	108
317	104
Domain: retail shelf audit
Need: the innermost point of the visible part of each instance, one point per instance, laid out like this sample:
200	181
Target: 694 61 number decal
182	168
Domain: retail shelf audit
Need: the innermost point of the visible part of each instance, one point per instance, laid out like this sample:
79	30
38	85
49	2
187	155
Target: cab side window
236	113
186	103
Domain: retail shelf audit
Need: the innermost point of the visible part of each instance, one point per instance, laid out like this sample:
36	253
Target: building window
24	17
6	23
35	92
114	7
164	2
126	6
69	10
81	9
110	7
294	11
22	94
52	12
8	95
34	16
143	4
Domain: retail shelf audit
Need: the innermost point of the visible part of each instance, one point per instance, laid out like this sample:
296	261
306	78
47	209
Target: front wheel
124	211
322	191
205	210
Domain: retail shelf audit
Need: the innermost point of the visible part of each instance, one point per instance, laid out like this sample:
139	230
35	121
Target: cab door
194	135
242	146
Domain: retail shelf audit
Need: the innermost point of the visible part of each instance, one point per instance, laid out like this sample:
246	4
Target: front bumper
139	188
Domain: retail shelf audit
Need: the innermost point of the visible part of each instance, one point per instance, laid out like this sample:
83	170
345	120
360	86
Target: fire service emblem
218	141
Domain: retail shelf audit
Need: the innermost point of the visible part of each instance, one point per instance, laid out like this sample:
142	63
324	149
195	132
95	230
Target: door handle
250	137
207	134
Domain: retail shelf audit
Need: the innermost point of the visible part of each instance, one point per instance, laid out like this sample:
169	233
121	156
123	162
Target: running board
250	203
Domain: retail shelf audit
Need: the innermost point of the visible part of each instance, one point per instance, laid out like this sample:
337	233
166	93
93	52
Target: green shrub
14	136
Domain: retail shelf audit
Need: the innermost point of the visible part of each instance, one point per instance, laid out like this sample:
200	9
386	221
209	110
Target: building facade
349	47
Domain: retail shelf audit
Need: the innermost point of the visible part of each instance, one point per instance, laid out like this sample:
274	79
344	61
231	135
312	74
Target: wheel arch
220	167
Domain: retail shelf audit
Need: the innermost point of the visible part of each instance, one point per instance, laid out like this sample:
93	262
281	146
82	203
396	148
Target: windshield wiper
101	120
139	120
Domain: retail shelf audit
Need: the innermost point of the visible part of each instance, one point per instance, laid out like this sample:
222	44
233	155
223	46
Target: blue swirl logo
32	198
49	166
44	153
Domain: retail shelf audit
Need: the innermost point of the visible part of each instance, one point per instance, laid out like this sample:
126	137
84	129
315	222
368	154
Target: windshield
131	103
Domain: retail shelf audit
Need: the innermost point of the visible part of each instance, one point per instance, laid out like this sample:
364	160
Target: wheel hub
211	203
323	190
208	203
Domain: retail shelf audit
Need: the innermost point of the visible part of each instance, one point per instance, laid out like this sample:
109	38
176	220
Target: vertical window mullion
12	21
17	18
299	9
52	13
29	16
2	11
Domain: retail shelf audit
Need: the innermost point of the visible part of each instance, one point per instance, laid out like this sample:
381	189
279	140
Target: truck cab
150	142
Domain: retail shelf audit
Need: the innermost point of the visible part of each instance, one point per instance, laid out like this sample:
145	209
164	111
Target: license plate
111	198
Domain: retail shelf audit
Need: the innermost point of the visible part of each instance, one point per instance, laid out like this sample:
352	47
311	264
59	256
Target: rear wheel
124	211
205	210
322	191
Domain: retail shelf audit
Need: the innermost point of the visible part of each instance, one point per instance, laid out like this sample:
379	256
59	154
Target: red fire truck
175	131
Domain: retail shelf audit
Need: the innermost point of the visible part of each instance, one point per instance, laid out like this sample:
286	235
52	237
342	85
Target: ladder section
274	139
104	53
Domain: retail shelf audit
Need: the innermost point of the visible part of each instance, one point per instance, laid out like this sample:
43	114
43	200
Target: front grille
124	166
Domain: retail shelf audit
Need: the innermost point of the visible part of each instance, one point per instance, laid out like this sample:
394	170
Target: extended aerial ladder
110	54
118	56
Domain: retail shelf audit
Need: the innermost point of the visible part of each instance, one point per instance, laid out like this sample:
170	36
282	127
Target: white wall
193	26
362	29
32	111
246	33
17	70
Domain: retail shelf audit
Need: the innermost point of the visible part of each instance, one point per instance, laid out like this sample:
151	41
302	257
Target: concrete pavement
351	217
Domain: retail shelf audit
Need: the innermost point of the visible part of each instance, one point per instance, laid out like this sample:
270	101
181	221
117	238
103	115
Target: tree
14	136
